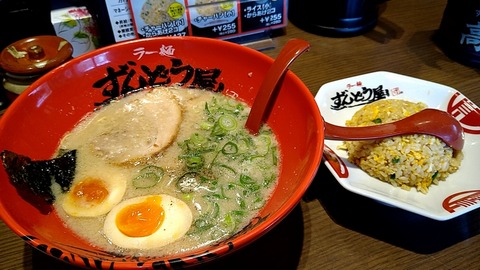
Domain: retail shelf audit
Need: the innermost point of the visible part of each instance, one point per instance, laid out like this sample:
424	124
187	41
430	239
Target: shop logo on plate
466	112
461	200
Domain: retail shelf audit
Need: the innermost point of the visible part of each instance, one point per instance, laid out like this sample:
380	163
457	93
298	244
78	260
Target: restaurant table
332	228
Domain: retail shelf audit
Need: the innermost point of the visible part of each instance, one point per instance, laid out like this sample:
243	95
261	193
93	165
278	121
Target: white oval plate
459	194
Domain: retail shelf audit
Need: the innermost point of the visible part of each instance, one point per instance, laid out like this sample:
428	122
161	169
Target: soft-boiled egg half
147	222
94	195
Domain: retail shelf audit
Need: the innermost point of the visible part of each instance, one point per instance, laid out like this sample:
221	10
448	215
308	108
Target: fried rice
403	161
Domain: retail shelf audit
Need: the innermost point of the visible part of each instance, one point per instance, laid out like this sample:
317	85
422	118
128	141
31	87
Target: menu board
120	19
206	18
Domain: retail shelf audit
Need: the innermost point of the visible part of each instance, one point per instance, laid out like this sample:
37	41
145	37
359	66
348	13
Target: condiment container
24	61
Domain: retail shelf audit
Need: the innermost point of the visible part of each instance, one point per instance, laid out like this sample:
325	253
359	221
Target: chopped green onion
146	180
218	146
246	180
222	191
227	122
258	203
229	148
207	109
238	212
202	224
148	177
251	188
194	162
377	120
241	202
228	221
226	167
217	131
274	156
187	197
206	125
268	180
197	138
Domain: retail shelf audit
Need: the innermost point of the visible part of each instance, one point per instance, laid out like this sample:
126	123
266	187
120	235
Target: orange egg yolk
90	192
141	219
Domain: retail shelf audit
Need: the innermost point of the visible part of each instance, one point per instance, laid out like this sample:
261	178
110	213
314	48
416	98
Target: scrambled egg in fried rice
403	161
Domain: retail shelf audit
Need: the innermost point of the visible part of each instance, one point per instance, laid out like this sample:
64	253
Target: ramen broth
224	174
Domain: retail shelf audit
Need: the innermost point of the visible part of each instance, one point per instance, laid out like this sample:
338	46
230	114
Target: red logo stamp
466	112
462	199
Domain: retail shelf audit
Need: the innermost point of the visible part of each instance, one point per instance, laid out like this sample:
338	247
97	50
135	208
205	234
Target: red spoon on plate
428	121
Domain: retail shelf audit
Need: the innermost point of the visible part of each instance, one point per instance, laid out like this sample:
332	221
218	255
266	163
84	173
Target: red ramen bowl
39	117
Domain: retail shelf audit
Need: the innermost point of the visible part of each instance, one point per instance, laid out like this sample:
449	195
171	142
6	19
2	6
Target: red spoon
429	121
293	49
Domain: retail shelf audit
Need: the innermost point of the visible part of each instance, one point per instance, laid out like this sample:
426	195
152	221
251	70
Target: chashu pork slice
137	127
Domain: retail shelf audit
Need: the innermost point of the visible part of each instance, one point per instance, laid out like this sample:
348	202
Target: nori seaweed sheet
38	175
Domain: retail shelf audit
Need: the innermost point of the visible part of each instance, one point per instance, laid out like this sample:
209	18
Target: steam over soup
166	170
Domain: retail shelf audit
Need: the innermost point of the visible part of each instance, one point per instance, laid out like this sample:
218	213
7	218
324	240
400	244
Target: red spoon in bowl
293	49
